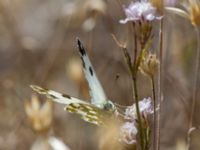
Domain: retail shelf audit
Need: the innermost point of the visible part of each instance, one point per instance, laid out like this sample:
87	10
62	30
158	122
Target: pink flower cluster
145	106
128	130
140	11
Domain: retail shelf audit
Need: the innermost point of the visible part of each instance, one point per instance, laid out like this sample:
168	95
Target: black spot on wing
39	89
71	109
81	48
91	71
66	96
83	62
43	90
52	96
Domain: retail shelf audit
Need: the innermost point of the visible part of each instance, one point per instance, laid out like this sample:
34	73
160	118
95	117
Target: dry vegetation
38	46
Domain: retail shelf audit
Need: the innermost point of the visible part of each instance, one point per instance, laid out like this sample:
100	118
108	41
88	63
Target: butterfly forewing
98	96
56	96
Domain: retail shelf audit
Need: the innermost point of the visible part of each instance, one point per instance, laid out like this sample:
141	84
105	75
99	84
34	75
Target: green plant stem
154	111
138	111
134	80
160	73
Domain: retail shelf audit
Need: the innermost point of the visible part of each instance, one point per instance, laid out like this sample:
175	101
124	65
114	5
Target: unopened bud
149	65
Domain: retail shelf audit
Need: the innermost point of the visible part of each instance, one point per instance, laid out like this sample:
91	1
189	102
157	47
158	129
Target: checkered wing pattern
87	111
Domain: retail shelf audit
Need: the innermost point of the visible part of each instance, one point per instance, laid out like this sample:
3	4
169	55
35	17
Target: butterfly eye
109	106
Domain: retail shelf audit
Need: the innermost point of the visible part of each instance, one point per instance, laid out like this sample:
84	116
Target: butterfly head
109	106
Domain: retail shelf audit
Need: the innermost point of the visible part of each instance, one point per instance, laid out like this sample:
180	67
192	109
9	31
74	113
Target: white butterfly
100	107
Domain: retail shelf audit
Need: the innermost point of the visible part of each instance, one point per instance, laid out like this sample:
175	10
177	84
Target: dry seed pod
149	65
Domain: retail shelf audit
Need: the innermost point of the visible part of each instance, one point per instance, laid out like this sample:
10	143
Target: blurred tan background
37	46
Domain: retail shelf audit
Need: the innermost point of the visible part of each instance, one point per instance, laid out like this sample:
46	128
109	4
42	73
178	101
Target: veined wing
87	111
56	96
98	96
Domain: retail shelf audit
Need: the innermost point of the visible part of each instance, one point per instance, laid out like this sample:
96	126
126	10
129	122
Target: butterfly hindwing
87	111
98	96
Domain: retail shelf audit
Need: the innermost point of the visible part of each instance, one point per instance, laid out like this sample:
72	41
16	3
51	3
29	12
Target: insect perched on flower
100	107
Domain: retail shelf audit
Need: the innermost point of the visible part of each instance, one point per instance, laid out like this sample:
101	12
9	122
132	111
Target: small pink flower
143	10
128	132
145	107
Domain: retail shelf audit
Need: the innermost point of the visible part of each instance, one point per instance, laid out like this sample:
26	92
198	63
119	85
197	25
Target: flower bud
149	65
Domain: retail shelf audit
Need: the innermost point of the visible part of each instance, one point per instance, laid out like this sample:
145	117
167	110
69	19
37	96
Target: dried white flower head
145	107
140	11
128	132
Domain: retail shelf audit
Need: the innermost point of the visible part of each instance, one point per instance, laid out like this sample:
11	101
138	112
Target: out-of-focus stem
134	82
196	79
154	110
138	111
160	73
135	43
196	83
